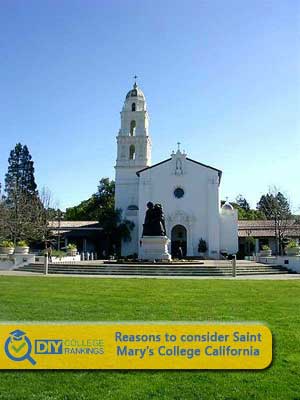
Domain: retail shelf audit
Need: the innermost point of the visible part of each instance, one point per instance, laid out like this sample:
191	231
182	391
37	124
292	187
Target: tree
115	229
106	193
91	209
202	246
4	217
242	203
276	208
31	223
101	207
20	173
243	212
44	212
25	213
20	194
250	215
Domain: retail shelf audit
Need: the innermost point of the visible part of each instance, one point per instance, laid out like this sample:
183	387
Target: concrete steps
156	270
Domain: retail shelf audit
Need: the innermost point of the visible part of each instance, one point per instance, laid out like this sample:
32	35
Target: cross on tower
178	144
135	78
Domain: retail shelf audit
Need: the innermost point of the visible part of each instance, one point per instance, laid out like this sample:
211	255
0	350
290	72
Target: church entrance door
178	241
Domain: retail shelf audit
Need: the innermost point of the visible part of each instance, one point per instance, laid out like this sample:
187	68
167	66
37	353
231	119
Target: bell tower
133	153
134	145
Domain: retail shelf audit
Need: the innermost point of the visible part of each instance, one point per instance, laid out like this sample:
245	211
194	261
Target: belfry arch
132	152
132	128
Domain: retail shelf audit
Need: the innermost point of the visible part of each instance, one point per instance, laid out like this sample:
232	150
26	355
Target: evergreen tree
274	204
20	173
276	207
21	193
242	203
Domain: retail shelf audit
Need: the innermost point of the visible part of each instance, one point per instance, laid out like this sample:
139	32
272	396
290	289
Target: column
256	245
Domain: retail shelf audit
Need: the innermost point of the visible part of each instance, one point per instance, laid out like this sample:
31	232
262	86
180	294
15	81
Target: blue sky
221	77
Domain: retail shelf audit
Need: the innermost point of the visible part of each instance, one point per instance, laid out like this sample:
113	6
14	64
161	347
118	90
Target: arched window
132	152
132	128
133	107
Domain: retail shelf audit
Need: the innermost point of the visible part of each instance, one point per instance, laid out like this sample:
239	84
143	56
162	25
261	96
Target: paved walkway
275	277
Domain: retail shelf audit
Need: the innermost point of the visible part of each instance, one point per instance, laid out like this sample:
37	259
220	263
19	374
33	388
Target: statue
178	169
154	224
154	242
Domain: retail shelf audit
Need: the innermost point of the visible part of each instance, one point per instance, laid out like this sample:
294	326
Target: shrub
58	253
7	243
292	244
202	247
72	246
266	247
22	243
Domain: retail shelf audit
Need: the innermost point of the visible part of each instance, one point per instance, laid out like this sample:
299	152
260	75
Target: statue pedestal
154	248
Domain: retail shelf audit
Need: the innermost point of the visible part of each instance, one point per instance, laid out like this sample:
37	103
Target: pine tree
21	193
20	174
276	208
242	203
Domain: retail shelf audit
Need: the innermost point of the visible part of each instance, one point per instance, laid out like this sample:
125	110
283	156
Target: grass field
275	302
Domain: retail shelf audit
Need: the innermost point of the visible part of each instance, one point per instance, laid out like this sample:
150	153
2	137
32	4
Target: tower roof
135	92
227	207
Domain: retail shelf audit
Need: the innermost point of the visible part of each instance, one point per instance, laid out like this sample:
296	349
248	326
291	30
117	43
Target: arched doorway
178	239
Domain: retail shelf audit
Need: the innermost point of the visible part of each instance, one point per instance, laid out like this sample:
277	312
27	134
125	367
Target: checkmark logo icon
18	348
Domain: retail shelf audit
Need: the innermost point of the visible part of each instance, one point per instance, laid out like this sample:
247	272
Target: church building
188	190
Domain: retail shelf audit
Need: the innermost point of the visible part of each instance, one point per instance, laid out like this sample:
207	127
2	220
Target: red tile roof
265	228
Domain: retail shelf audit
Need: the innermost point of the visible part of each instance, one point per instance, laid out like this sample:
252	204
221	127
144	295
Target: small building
263	233
89	236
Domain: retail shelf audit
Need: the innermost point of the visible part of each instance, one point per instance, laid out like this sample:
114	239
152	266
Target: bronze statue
154	224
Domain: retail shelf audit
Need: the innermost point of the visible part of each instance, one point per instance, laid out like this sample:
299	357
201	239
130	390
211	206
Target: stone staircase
208	268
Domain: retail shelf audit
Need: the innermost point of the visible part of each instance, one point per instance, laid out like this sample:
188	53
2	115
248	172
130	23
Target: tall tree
21	192
276	208
242	203
20	173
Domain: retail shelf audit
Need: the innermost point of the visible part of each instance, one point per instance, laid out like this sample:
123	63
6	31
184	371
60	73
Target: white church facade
187	190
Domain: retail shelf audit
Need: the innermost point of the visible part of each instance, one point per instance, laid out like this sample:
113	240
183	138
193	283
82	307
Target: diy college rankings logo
18	347
50	346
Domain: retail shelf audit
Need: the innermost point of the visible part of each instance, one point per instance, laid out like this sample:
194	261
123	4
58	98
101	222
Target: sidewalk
275	277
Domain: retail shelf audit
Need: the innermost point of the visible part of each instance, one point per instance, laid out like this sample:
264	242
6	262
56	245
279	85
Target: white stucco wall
127	192
197	210
290	262
229	231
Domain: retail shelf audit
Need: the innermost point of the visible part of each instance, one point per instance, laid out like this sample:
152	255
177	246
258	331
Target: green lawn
275	302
